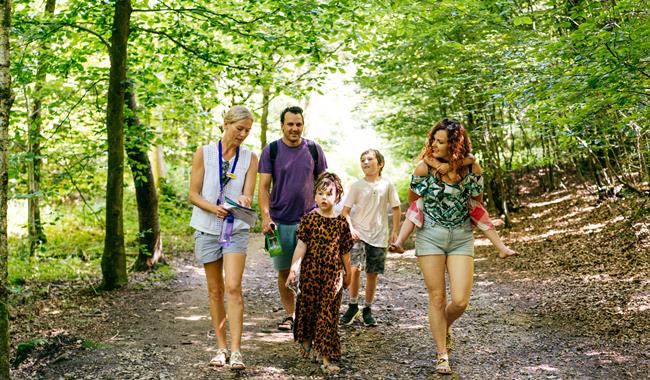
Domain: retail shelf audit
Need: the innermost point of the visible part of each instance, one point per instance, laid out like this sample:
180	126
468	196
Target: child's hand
291	278
443	168
453	176
354	233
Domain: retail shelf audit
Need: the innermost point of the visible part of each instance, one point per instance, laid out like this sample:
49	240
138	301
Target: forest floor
574	305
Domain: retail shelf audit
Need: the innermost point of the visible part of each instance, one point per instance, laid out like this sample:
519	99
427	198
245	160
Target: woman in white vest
220	171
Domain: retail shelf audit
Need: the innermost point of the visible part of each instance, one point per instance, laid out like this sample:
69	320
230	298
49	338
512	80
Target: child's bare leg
404	232
504	250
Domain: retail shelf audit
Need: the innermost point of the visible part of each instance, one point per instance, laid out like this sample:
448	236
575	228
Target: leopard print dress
317	306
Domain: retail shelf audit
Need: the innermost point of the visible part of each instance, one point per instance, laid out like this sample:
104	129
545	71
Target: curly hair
457	139
325	180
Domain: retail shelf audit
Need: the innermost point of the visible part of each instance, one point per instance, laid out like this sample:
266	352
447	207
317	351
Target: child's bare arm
298	254
443	167
346	214
397	217
348	274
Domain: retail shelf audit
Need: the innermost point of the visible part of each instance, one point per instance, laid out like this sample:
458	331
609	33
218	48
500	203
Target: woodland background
104	102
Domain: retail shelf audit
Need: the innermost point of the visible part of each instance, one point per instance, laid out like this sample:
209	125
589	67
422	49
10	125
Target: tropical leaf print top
446	204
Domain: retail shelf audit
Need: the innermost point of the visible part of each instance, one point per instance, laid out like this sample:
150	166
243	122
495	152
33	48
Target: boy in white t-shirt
372	196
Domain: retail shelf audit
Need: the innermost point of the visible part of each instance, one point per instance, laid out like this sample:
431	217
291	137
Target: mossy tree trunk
137	145
114	256
6	100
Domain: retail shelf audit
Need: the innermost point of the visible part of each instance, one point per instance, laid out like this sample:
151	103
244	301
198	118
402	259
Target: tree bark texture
35	227
114	256
149	240
6	100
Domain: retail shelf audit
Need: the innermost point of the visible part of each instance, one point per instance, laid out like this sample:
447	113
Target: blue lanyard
223	183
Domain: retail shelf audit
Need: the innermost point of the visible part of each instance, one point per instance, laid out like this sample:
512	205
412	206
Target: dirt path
158	330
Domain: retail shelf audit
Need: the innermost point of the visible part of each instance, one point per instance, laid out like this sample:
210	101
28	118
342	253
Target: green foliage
24	349
548	83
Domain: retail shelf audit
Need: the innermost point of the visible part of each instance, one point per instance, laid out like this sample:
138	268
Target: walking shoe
350	315
368	320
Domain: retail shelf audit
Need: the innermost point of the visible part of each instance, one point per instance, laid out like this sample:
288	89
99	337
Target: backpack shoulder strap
314	155
273	153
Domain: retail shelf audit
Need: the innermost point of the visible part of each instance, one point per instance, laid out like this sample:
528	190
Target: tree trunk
114	256
6	100
157	157
35	227
149	239
264	122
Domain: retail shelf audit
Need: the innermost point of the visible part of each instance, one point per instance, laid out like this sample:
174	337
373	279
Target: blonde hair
236	113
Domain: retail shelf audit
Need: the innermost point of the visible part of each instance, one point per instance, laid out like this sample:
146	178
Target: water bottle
226	232
272	242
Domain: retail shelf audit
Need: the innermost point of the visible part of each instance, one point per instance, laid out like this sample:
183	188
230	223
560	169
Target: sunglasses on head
450	124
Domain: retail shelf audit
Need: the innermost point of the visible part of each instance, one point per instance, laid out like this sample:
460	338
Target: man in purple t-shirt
291	197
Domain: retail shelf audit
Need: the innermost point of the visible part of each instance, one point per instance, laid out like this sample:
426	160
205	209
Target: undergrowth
75	241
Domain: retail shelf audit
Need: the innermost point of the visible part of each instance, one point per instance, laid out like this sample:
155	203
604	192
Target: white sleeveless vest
206	221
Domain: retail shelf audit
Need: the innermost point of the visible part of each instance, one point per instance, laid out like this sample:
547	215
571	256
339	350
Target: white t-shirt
372	201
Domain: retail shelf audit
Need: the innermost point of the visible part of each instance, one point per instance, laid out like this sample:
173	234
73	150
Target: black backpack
273	151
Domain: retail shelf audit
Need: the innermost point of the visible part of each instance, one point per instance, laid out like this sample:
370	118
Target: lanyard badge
229	176
226	232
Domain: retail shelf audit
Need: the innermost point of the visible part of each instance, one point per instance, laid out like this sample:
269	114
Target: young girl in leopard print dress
322	262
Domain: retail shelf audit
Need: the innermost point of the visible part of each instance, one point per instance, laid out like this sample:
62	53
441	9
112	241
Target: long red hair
457	140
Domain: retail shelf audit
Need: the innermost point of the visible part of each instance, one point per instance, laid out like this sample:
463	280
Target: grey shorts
435	239
207	248
368	257
288	241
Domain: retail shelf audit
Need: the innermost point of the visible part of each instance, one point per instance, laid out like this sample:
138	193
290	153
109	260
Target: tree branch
199	54
203	10
625	63
74	26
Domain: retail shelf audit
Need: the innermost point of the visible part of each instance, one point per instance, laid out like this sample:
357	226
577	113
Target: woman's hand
220	211
244	200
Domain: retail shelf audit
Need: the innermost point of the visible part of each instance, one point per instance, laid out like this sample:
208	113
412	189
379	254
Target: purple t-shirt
292	192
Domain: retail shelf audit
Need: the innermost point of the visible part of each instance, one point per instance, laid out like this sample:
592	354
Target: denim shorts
207	248
288	242
367	257
434	239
